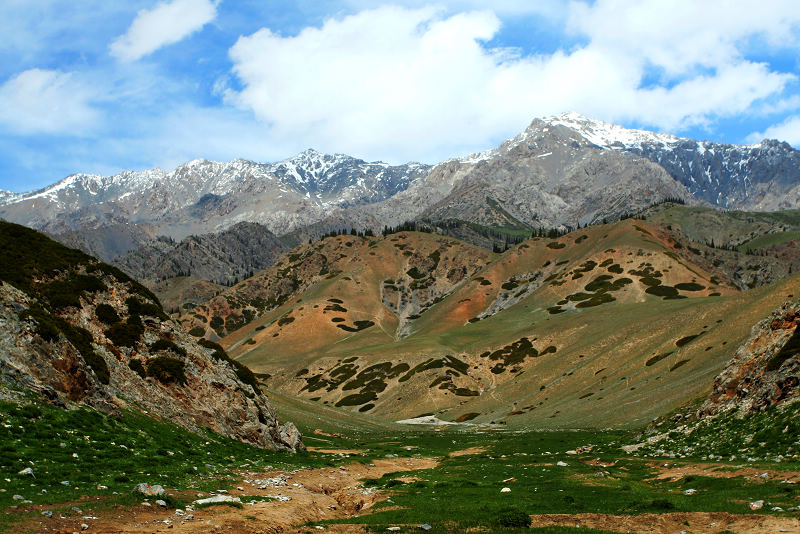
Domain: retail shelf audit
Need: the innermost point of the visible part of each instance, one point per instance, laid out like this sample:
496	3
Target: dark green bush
167	370
137	367
106	314
165	344
415	273
512	518
126	333
198	331
662	291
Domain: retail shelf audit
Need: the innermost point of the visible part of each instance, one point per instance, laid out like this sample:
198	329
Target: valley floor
469	480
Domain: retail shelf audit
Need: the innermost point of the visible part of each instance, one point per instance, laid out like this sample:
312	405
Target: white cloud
421	84
788	130
165	24
46	101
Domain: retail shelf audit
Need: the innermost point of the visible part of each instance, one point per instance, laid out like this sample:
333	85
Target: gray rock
162	504
217	499
26	472
18	498
147	489
291	436
47	513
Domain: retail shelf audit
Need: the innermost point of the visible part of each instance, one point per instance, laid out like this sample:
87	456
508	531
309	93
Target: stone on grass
217	499
505	490
149	490
756	505
162	504
28	472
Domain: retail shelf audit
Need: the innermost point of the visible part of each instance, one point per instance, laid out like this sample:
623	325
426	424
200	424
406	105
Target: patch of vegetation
679	364
137	367
49	326
137	307
512	518
556	245
126	333
335	308
416	274
167	345
197	331
655	359
686	340
662	291
242	371
616	268
511	284
357	326
466	417
287	319
512	354
167	370
689	286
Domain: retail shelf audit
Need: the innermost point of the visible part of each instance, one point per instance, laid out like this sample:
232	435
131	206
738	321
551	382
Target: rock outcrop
79	331
765	370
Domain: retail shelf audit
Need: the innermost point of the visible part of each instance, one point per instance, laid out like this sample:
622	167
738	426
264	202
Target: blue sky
100	87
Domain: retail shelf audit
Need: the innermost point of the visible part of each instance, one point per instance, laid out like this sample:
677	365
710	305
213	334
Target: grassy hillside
607	326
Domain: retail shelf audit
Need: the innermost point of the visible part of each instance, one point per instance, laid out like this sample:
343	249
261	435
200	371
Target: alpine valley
587	326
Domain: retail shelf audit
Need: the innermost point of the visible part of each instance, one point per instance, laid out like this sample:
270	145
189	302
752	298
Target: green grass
460	494
767	240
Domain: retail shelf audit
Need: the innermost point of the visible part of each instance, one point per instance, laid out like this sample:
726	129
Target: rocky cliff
79	331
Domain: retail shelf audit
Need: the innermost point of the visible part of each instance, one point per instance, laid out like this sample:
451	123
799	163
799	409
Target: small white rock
505	490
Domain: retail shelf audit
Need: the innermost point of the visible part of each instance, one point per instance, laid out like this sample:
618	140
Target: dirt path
678	471
313	495
693	522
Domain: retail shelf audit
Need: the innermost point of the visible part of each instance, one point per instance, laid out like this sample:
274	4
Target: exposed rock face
205	196
228	256
79	331
765	370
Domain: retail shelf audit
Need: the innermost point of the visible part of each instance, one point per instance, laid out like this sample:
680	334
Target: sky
101	87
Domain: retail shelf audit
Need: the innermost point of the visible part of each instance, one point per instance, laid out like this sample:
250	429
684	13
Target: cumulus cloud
46	101
165	24
422	83
788	130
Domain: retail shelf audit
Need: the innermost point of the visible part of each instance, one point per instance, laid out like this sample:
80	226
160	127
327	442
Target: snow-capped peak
609	135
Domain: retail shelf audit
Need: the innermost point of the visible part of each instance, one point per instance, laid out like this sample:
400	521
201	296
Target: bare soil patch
334	451
313	495
677	472
698	522
467	452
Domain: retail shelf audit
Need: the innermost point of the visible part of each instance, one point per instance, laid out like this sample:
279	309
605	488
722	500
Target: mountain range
561	172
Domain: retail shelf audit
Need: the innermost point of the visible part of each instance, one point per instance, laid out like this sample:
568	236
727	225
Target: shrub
106	314
556	245
166	370
127	333
137	307
513	518
285	320
137	367
415	274
64	293
198	331
165	344
662	291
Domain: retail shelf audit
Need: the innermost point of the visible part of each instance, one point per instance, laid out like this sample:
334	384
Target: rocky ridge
79	331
